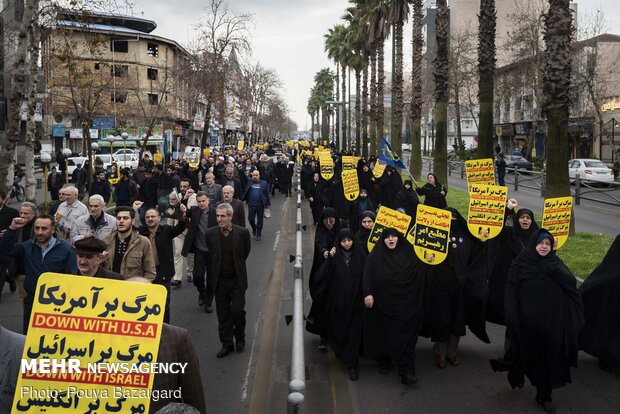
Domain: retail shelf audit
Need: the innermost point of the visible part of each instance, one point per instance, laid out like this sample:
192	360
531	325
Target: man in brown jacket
129	253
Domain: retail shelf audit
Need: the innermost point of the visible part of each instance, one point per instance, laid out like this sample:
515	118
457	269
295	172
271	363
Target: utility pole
341	105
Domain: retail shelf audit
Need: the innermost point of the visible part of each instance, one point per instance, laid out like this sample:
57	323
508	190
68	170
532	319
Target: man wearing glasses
68	211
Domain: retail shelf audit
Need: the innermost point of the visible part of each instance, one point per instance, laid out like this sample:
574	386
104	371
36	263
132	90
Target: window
97	66
119	97
507	105
152	49
119	71
528	102
153	99
151	73
518	104
119	46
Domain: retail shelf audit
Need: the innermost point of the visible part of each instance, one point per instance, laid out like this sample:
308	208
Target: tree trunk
556	87
380	93
336	117
358	113
397	90
486	67
440	162
458	136
364	101
345	143
204	138
324	123
373	101
415	162
18	93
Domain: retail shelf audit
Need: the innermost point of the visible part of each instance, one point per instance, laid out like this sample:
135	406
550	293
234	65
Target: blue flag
389	157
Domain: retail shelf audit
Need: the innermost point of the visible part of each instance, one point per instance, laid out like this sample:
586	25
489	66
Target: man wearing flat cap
90	256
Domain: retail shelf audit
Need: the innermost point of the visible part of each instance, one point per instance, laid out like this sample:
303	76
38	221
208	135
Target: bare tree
219	32
463	71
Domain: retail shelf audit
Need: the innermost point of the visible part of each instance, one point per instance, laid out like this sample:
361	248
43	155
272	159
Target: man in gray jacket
97	223
11	348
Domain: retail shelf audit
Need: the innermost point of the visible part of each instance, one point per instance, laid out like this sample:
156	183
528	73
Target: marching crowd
375	305
183	222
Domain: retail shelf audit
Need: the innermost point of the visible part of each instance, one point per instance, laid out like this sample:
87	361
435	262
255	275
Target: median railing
587	191
297	385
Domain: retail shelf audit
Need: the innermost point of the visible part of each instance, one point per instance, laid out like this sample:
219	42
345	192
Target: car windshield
595	164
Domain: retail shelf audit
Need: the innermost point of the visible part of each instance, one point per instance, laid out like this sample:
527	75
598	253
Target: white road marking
246	381
275	243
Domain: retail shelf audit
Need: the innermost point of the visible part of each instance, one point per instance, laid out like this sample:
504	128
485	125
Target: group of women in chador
376	304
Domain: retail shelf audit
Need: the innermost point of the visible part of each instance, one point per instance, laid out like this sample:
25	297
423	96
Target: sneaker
175	284
547	406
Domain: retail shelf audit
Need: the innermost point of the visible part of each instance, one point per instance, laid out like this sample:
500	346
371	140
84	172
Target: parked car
127	160
73	162
127	151
513	161
590	170
406	147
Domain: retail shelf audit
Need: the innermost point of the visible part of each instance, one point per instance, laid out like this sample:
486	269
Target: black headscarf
363	233
520	235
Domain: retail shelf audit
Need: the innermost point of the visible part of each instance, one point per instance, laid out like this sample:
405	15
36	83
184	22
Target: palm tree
313	109
486	68
324	86
440	73
398	15
556	88
378	31
415	162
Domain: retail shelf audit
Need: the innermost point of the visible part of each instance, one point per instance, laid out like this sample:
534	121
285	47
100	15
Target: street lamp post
66	153
46	158
341	105
124	136
613	134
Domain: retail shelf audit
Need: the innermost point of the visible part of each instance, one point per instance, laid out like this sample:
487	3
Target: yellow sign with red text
327	165
556	218
432	234
480	172
386	217
106	332
378	170
349	162
350	184
487	205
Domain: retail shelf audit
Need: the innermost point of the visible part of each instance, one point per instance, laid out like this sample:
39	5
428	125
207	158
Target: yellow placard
480	171
378	170
556	218
432	234
240	144
193	160
350	184
157	158
386	217
115	177
487	204
206	152
106	331
327	165
349	162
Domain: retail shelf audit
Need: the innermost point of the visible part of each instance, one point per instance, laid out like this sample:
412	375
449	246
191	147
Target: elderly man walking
68	211
229	247
96	224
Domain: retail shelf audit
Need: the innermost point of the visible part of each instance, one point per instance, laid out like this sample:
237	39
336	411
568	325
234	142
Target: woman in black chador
434	193
342	277
600	336
393	286
511	241
458	292
544	314
367	221
315	193
325	238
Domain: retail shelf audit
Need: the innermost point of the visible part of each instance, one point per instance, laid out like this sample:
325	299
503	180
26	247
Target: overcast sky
287	35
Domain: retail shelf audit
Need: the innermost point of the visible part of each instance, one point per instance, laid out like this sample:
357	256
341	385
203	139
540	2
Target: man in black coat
148	193
228	193
161	237
55	181
7	214
229	247
201	219
101	186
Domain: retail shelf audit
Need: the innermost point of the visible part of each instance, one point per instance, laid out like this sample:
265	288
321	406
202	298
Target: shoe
190	278
454	361
208	309
258	238
12	286
547	406
225	351
254	232
240	345
323	344
201	302
408	379
440	361
353	374
175	284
